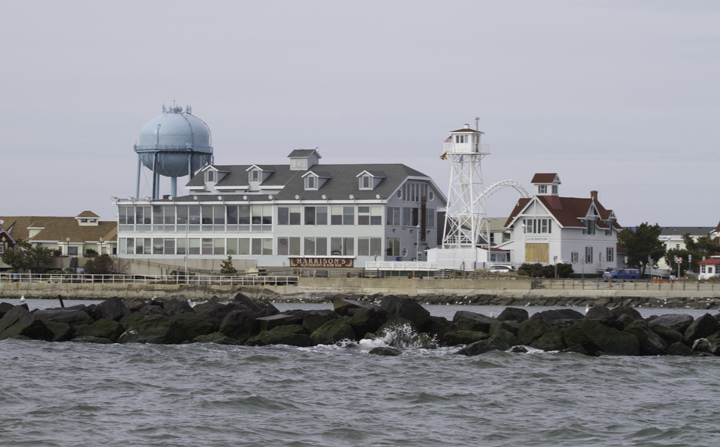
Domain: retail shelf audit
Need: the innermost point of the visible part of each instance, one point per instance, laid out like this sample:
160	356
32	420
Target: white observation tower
466	213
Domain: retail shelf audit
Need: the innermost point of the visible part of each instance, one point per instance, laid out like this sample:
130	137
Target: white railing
400	266
158	279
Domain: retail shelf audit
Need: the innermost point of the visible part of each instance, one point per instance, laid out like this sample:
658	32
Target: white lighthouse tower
466	213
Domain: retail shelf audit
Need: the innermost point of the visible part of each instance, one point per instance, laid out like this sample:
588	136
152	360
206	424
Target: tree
701	249
27	256
105	265
226	268
642	243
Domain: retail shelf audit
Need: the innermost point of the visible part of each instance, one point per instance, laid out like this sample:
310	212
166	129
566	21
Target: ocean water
74	394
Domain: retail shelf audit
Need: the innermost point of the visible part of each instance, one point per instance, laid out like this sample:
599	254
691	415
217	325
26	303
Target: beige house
73	237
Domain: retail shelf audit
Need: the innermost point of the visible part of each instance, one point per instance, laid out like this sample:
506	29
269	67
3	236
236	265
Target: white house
709	267
550	229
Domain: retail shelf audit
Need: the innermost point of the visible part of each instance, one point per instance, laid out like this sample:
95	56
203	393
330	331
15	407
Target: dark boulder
19	322
510	326
599	313
439	326
532	329
135	305
103	328
626	320
127	320
91	339
343	306
244	303
650	342
597	338
152	329
333	332
313	319
291	328
190	326
61	331
624	310
677	322
513	314
71	317
405	308
151	309
283	319
216	337
554	316
367	320
177	306
502	339
266	338
702	327
463	337
239	325
704	345
385	351
472	321
477	348
112	309
678	348
669	335
552	340
4	307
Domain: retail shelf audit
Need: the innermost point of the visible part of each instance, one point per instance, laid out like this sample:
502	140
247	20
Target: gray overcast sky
618	96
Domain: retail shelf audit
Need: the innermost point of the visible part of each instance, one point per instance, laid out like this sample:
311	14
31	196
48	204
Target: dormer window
298	164
542	189
210	176
311	182
255	175
365	182
554	189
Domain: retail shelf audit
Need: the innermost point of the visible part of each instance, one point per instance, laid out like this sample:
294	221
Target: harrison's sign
322	262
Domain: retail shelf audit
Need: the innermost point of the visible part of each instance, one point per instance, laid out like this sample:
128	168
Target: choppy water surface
60	394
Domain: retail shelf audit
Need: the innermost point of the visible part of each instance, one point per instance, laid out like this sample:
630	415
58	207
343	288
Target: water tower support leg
155	178
190	166
137	187
173	187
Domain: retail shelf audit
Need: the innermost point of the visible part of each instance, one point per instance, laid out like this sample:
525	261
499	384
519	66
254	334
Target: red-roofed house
550	229
709	267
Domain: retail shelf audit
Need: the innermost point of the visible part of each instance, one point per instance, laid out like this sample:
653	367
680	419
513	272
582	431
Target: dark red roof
466	130
543	178
567	210
711	261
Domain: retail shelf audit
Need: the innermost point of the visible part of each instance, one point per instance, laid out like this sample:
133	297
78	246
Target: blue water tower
174	144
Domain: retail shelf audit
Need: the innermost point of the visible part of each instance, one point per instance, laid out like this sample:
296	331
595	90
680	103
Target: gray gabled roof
302	153
341	183
680	231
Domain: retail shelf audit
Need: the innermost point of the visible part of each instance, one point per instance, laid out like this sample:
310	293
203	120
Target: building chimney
593	194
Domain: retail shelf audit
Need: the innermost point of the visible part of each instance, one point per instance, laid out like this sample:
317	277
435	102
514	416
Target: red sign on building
322	262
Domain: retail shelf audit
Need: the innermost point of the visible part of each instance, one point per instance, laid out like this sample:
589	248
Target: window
399	193
589	227
369	246
365	182
610	254
261	246
298	164
287	215
309	215
194	246
311	182
315	246
574	257
677	246
702	269
207	246
73	251
158	246
363	215
321	215
410	217
348	215
255	175
588	255
538	226
180	247
542	189
288	246
393	215
336	215
210	176
392	247
430	217
554	189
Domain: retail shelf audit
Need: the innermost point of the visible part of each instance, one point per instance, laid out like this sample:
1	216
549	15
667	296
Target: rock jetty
243	321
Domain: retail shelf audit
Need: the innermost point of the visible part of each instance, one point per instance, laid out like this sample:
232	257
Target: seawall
437	291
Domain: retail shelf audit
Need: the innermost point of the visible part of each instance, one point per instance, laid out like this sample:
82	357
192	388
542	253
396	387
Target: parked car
621	274
501	268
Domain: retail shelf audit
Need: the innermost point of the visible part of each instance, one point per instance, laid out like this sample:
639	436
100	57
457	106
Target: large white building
550	229
303	213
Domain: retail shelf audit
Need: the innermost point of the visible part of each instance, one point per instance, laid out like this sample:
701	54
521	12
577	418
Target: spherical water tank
169	142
